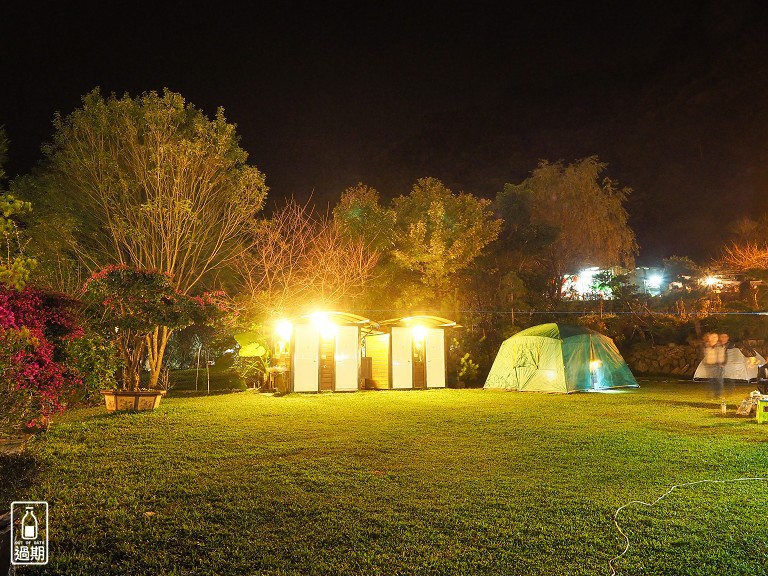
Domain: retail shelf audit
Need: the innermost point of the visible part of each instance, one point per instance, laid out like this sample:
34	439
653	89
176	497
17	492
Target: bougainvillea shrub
140	309
35	328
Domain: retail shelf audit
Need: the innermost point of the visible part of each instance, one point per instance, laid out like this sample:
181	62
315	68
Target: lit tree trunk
156	342
131	347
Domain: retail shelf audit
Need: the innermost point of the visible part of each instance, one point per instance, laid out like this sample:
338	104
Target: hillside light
710	281
585	280
654	282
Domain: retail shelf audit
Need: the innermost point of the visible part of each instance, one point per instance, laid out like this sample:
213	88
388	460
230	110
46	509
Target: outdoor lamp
419	333
284	330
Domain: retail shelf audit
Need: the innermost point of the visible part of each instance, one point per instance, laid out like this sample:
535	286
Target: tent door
327	371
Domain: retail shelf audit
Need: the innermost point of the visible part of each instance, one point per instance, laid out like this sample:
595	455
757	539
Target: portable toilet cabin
320	352
407	353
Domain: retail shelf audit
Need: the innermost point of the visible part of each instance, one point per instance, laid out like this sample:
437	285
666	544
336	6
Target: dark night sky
671	94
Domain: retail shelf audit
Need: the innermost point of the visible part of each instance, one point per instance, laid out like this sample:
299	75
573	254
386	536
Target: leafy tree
682	269
143	308
149	182
15	266
359	215
748	230
438	234
585	210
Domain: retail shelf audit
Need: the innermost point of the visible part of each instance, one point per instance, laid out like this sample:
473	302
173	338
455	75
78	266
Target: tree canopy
359	215
585	209
15	266
149	182
439	233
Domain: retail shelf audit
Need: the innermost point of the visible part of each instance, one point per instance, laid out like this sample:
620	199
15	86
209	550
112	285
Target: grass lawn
439	482
197	382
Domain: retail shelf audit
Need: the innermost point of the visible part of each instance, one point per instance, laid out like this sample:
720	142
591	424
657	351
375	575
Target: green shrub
97	361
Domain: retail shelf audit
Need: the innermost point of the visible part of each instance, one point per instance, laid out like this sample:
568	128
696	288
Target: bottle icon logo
29	533
29	524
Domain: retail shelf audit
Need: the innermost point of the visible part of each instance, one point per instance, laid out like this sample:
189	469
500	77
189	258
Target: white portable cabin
408	353
321	351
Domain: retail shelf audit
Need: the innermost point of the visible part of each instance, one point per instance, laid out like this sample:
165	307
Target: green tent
559	358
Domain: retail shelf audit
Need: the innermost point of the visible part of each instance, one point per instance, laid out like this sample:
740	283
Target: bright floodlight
655	282
585	280
325	327
419	332
283	330
710	281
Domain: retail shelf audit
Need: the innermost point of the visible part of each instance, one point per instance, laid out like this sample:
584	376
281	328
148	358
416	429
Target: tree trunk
156	342
131	347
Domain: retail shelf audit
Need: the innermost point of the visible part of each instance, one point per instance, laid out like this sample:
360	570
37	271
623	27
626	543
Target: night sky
673	95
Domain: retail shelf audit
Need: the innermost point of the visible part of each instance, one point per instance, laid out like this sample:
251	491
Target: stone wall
678	360
670	360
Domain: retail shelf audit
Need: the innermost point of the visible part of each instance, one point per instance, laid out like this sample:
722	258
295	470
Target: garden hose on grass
612	561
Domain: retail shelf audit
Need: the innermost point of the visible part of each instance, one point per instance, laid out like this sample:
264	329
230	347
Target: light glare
284	330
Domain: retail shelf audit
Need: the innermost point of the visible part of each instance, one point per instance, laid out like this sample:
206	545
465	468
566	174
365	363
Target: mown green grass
187	382
437	482
193	382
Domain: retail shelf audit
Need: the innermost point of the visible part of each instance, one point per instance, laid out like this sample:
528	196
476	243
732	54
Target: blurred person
713	358
725	347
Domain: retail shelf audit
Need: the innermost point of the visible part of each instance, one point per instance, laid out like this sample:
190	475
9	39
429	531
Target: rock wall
678	360
670	360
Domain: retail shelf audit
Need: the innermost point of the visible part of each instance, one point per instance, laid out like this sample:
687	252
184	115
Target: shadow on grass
18	472
712	404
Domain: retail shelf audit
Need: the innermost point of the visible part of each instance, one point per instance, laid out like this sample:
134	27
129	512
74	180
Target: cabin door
419	364
327	372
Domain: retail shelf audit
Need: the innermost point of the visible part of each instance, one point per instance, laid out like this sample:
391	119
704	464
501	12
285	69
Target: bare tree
301	258
747	256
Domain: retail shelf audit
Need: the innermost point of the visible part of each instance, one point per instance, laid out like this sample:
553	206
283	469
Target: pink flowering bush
35	327
140	309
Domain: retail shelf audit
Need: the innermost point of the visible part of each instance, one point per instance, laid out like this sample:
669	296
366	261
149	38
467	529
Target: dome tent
742	365
559	358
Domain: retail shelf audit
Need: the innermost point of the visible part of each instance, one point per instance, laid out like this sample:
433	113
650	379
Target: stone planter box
116	400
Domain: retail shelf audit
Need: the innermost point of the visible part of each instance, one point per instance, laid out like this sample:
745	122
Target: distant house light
585	280
654	282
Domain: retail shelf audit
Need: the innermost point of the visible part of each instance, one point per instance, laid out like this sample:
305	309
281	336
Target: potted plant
140	309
